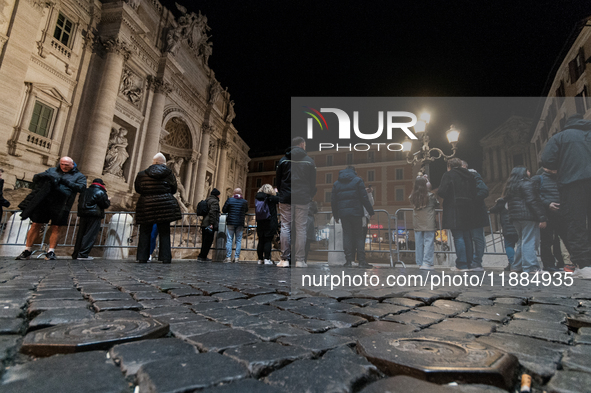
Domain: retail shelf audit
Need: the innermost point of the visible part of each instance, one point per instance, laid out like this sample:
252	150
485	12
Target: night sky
268	51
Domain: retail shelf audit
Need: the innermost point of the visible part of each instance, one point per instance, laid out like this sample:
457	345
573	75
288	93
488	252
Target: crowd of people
542	211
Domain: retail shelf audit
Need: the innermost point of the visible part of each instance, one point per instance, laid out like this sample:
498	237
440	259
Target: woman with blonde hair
266	216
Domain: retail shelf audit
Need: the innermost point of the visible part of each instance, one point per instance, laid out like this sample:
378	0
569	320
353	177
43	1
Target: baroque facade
110	84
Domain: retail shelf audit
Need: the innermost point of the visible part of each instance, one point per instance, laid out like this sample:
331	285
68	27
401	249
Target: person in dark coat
348	199
568	153
508	230
458	190
311	227
481	220
236	208
91	210
51	200
528	216
209	224
3	202
156	205
266	229
296	185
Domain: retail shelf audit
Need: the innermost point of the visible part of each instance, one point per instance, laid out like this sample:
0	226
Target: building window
560	93
260	167
259	182
577	66
349	158
581	101
399	194
399	174
371	175
329	178
41	119
63	30
328	160
327	196
371	156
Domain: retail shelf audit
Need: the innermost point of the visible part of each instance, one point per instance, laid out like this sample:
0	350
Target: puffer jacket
458	190
93	202
213	213
236	208
569	152
548	189
525	204
157	204
268	228
499	208
296	177
349	196
480	211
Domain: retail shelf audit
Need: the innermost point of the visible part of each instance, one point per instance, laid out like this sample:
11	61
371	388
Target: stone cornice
52	70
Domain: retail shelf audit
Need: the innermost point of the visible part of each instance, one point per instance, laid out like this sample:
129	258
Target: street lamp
423	156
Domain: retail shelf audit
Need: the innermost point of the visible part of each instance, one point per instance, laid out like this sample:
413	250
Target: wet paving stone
89	372
569	382
187	291
282	316
578	358
484	316
378	311
477	328
242	386
447	307
352	333
466	362
221	340
98	297
186	373
262	358
361	302
401	301
567	302
90	335
257	309
116	305
209	289
160	303
150	295
179	318
576	321
183	330
258	291
317	343
64	294
540	358
312	325
12	326
222	315
544	330
287	304
429	297
236	303
229	296
341	320
405	384
196	299
540	316
273	331
207	306
388	327
38	306
8	346
417	318
132	356
267	299
510	300
161	311
474	300
247	320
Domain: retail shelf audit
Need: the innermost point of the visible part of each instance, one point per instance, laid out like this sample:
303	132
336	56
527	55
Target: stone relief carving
116	45
193	29
116	152
176	163
133	3
129	87
208	187
231	114
159	85
212	146
214	91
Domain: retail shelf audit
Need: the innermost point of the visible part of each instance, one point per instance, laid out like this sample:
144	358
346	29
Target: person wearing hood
481	220
209	224
156	205
568	154
51	200
296	186
235	208
348	199
458	190
267	222
91	210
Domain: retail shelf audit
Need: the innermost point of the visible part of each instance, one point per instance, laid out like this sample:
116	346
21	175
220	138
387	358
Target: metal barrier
494	241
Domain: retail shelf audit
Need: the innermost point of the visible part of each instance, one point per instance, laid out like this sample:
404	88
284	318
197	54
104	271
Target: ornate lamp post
424	156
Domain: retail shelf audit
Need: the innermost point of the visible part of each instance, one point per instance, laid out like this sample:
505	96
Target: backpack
262	210
202	208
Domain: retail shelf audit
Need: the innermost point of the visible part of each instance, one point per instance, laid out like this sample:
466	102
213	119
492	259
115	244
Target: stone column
188	178
154	128
222	167
97	136
202	163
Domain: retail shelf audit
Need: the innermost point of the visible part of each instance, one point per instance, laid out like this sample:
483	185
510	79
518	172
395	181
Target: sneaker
570	268
24	255
477	269
348	264
301	264
455	269
426	267
283	263
88	258
228	260
268	262
150	258
50	256
260	262
584	273
364	265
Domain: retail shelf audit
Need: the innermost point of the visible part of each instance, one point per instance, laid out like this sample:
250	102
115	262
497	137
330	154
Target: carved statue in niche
207	188
176	163
231	114
133	3
211	152
128	87
192	28
116	152
214	91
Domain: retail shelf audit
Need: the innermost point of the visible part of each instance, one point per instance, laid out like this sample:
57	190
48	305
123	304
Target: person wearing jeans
481	220
525	251
236	208
423	219
463	245
285	237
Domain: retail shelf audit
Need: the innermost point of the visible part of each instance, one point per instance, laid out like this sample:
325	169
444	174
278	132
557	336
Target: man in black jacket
235	208
91	210
209	224
348	199
296	186
568	153
60	186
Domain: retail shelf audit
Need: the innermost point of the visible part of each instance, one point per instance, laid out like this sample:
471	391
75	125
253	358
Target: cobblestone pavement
117	326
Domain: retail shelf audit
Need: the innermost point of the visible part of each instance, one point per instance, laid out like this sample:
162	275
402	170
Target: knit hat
159	159
99	181
215	192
